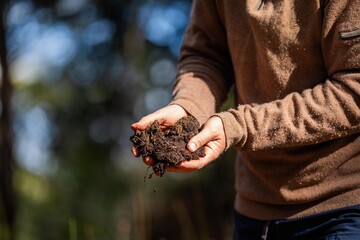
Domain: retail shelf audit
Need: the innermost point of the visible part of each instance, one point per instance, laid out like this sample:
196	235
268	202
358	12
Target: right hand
167	116
212	137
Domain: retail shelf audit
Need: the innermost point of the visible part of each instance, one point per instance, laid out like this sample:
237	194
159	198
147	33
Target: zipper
261	4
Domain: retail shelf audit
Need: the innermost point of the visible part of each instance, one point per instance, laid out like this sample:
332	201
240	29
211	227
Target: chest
274	23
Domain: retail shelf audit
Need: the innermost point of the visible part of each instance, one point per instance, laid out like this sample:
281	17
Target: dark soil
167	147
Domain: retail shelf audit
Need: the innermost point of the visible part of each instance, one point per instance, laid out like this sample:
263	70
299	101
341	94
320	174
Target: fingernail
192	146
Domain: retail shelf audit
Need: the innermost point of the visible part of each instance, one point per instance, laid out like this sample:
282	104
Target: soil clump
167	146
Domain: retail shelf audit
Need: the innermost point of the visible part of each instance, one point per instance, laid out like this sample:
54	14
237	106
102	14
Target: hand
166	116
212	136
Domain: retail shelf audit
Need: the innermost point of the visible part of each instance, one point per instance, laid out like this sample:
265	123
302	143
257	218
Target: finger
178	170
202	138
148	161
143	123
135	152
188	166
147	120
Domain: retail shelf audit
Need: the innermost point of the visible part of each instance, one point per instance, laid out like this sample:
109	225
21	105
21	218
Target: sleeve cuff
234	128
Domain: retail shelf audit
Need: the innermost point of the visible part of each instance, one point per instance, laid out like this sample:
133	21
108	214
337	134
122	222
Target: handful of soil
167	147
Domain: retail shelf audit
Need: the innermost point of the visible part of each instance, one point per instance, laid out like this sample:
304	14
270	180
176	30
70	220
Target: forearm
205	71
199	96
328	111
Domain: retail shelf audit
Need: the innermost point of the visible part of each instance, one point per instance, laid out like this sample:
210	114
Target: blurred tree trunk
7	208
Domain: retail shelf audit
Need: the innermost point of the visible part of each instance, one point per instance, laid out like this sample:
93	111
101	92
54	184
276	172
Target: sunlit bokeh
83	71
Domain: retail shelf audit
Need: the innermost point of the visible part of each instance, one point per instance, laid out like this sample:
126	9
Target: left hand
212	136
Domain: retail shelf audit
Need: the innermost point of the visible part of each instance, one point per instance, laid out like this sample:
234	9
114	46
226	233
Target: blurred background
74	75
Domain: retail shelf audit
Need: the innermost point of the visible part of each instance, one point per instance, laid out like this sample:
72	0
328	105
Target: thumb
202	138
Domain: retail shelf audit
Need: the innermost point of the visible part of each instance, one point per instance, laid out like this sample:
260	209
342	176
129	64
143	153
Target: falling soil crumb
167	146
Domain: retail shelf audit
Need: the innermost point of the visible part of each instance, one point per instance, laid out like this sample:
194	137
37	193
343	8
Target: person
294	67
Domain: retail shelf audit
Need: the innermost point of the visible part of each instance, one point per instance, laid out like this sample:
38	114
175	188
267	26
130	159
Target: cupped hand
212	136
166	116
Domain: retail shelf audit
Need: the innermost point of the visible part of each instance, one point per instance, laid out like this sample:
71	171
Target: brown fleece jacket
295	68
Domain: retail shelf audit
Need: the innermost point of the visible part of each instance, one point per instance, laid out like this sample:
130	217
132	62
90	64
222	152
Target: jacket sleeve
327	111
204	70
